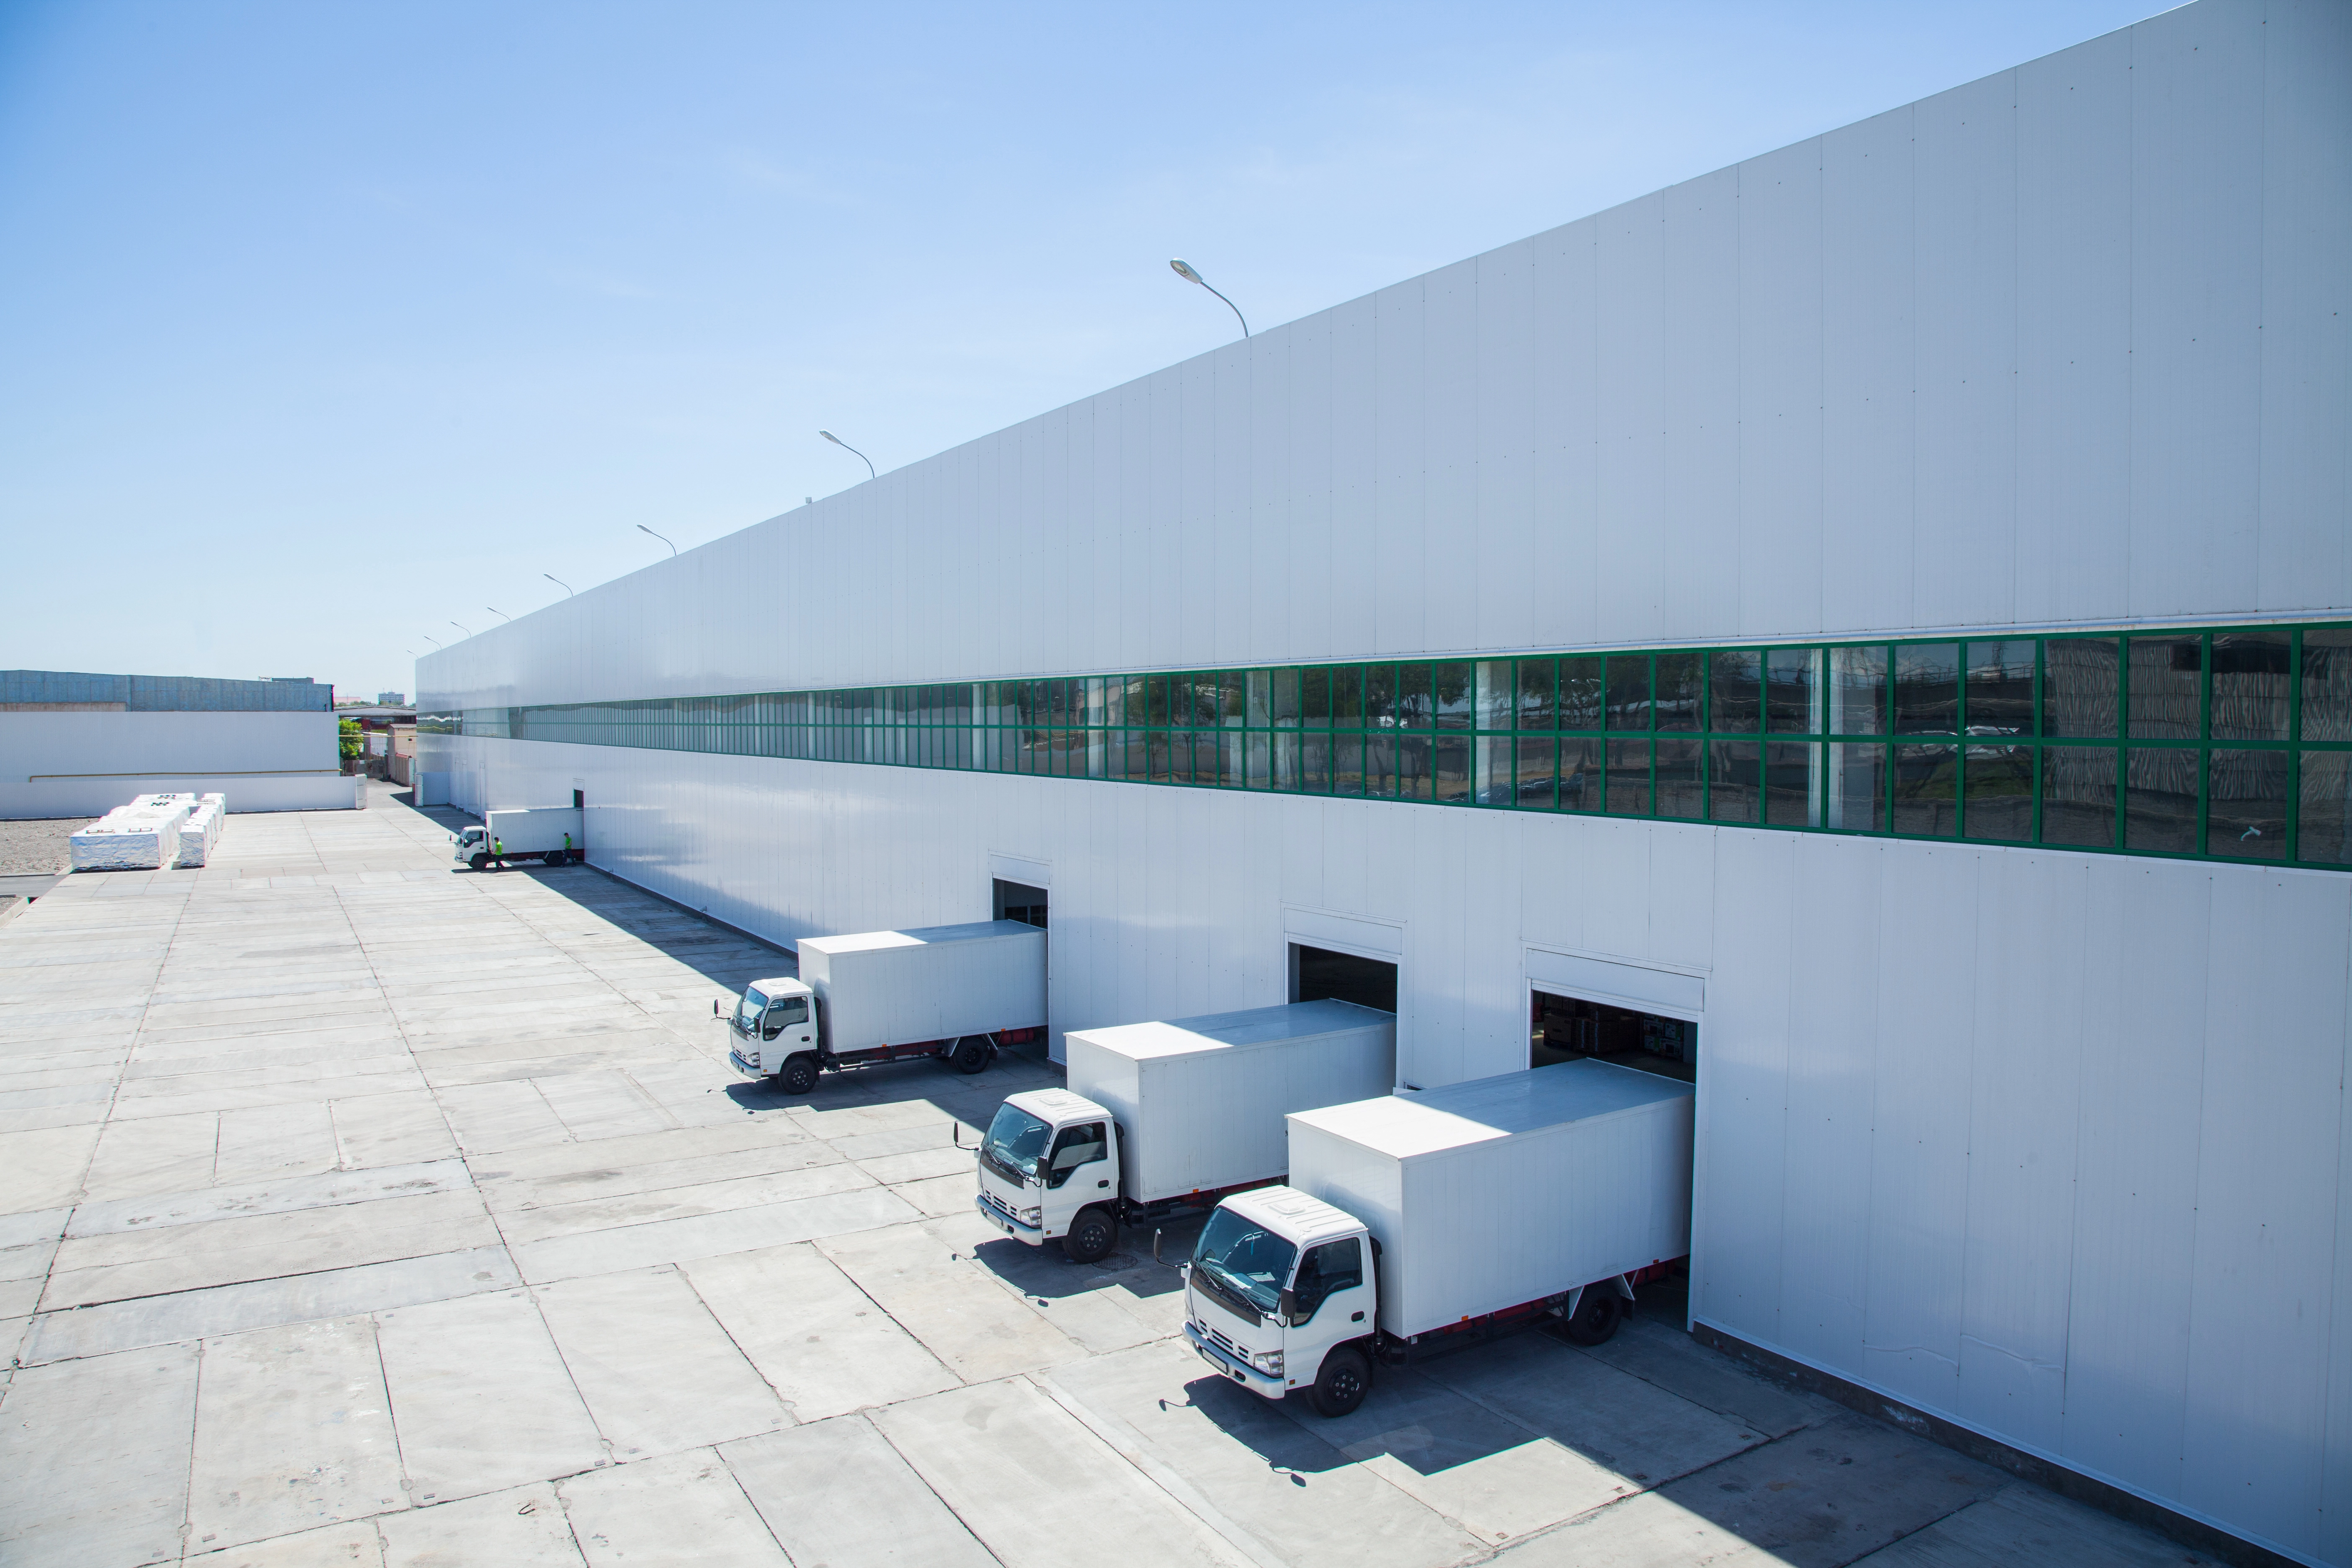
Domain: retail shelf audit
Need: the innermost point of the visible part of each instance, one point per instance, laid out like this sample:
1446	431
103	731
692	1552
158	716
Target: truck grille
1225	1344
999	1204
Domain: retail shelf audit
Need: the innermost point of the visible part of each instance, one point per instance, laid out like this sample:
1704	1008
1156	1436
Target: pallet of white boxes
152	831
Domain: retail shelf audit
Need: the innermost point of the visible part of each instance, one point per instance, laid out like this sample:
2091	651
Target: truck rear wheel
970	1054
798	1075
1091	1235
1342	1381
1598	1312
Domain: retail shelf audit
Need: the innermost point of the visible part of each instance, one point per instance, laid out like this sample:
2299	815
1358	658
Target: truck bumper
1248	1377
735	1060
1035	1234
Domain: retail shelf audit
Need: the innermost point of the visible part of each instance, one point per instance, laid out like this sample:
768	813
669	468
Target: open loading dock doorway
1317	973
1019	902
1570	1028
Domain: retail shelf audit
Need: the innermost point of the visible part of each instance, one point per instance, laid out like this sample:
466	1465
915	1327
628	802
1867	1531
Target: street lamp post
664	538
496	611
852	450
463	628
428	636
558	582
1183	270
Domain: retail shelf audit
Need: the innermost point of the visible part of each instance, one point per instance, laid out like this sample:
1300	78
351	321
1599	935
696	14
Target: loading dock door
1571	1028
1317	973
1019	902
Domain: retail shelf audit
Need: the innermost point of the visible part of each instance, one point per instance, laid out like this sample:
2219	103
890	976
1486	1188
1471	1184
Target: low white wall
72	765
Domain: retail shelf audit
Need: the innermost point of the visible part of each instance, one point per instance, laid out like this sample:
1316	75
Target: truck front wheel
1091	1235
480	859
798	1075
970	1054
1598	1312
1342	1381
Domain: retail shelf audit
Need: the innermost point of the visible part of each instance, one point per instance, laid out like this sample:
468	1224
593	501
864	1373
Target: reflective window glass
1315	698
1627	791
1857	692
1926	789
1496	758
1792	789
2245	802
1286	697
1381	765
1498	696
2323	823
1857	792
2250	686
1579	774
1792	690
1233	699
1682	690
1538	695
2160	799
1259	712
1348	697
1733	768
1679	790
1629	696
2000	689
2327	686
1532	785
1736	683
1999	790
2079	688
2167	687
1413	704
1381	697
1456	693
1926	696
1451	768
1287	774
1583	695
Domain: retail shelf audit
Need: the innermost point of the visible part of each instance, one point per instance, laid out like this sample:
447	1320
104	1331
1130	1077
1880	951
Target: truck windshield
1244	1257
1015	1138
748	1011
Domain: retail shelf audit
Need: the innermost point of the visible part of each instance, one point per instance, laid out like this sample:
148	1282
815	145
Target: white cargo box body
1201	1101
1502	1191
898	987
534	830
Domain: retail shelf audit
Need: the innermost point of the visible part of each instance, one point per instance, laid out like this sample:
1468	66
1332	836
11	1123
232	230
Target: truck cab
1049	1171
472	841
1281	1293
775	1033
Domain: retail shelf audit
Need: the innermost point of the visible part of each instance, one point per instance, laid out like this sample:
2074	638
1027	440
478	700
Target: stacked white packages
202	830
141	836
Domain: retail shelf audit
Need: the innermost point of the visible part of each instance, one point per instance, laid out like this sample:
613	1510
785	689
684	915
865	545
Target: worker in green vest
498	852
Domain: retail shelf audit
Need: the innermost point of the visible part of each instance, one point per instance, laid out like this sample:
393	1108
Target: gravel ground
28	848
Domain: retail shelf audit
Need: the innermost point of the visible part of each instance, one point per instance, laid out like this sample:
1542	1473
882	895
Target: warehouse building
1869	629
74	743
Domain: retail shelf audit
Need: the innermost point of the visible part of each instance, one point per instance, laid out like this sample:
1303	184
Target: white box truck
553	834
958	993
1439	1216
1163	1117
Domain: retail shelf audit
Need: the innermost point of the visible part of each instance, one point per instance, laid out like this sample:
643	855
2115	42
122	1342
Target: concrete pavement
357	1209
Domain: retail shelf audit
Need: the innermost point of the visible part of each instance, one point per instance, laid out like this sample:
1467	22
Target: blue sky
323	326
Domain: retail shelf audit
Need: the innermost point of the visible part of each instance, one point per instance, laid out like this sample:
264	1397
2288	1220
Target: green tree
348	739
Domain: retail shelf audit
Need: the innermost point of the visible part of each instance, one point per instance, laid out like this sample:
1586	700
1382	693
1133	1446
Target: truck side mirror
1286	1306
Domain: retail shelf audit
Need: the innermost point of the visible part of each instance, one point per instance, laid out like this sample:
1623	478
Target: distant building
74	744
391	699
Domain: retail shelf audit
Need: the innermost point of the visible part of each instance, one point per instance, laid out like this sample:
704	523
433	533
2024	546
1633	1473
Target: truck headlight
1267	1361
1032	1216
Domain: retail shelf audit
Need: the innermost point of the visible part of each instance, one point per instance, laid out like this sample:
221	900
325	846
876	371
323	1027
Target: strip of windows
2223	744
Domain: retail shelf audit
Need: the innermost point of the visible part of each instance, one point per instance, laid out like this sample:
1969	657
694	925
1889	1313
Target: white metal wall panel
1397	537
1511	568
1566	427
2073	332
1446	515
2258	1319
2135	1181
1780	505
1869	305
1966	328
2023	1105
1630	436
2196	252
2306	340
1701	225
